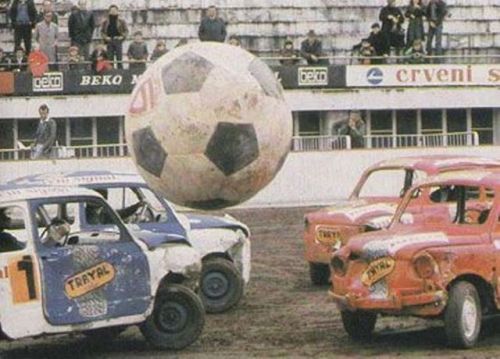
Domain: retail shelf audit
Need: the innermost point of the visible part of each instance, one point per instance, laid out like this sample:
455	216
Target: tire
103	336
221	285
177	319
319	273
462	316
359	325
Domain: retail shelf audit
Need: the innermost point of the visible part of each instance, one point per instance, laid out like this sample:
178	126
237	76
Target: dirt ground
282	314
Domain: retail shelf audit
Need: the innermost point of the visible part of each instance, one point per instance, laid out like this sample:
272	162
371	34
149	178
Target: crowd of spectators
391	38
38	32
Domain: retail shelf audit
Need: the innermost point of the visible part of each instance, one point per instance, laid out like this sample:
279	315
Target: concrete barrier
307	178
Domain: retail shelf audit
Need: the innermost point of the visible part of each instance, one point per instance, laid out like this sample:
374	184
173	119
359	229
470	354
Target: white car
62	272
222	242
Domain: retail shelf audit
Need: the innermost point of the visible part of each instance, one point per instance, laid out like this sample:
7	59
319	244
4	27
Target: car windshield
448	205
389	182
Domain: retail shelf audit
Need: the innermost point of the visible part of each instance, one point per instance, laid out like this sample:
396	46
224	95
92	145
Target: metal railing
320	143
422	140
299	144
58	152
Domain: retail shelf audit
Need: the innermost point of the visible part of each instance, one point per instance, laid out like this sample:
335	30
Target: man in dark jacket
379	43
23	19
113	31
212	28
45	136
436	13
312	49
392	19
81	26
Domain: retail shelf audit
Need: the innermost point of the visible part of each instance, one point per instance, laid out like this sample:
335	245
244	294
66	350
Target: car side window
13	235
86	222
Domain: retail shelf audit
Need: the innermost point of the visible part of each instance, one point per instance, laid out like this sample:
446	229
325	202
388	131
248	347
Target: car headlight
425	266
339	266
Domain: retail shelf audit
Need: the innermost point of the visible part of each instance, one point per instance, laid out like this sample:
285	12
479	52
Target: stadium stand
472	28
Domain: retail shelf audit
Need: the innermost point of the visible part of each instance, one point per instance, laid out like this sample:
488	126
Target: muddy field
282	314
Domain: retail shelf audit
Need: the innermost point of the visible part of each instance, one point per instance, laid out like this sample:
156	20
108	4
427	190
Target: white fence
320	143
432	140
299	144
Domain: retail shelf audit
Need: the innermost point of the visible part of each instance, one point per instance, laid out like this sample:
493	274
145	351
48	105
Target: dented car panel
410	269
89	280
361	213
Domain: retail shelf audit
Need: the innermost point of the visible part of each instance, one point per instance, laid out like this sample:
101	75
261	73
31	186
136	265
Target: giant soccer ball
207	125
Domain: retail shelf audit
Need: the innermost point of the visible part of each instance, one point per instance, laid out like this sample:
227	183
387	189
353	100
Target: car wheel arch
223	255
484	288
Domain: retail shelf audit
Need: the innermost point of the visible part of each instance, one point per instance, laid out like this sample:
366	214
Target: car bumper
430	303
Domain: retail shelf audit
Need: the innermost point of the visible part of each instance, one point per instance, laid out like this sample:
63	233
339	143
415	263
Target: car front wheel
221	285
319	273
462	317
358	324
177	319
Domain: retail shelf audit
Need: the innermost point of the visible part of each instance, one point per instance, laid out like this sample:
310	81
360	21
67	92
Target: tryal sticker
89	280
377	270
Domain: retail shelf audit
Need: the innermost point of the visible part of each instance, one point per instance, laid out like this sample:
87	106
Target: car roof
11	193
437	163
477	177
80	178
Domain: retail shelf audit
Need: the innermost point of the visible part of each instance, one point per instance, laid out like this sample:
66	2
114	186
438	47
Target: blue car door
99	273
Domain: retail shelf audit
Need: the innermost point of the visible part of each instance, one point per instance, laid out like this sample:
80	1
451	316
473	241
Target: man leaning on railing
45	136
355	129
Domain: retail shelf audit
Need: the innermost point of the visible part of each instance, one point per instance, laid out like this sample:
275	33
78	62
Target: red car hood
355	212
404	243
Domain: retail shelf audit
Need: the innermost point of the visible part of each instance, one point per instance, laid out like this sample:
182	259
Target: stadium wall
306	179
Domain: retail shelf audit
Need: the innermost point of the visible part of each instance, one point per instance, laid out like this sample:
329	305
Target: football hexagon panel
149	154
266	79
232	147
187	73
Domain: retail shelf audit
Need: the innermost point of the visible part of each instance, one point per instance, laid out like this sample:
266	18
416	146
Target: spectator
379	42
355	129
290	56
415	15
392	19
234	40
46	35
45	136
159	50
81	27
114	30
47	7
416	53
4	61
99	59
212	27
23	19
366	52
20	61
137	53
75	59
311	49
436	13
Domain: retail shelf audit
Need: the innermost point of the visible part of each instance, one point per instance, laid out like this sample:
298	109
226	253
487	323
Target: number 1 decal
23	281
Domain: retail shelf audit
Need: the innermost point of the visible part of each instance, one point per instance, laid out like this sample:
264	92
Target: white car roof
15	193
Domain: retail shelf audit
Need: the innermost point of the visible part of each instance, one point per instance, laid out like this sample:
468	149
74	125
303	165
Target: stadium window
381	124
81	131
309	123
432	122
456	120
7	134
26	130
61	131
108	130
482	123
406	124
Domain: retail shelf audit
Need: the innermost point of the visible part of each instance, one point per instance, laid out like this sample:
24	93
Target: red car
443	263
372	204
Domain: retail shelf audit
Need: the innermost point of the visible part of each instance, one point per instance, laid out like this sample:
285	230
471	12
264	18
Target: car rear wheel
319	273
462	317
221	285
359	325
177	319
